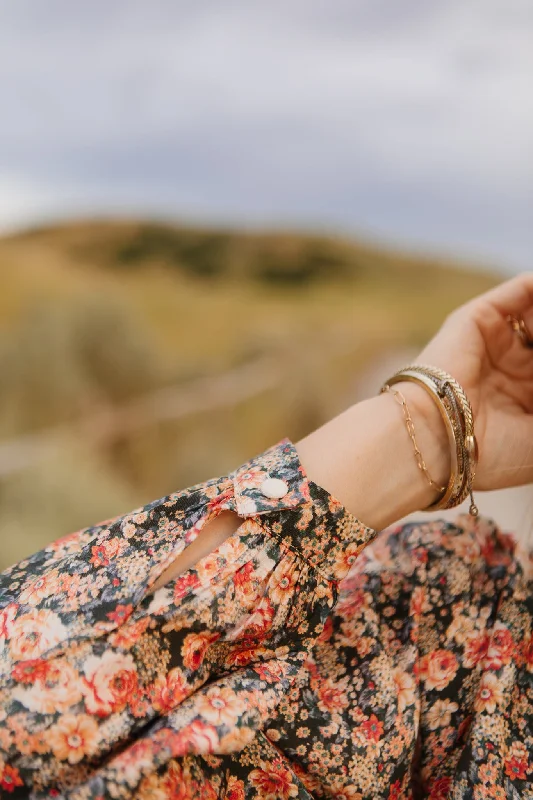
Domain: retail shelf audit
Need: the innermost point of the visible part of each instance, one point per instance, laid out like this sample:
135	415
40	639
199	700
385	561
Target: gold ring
520	328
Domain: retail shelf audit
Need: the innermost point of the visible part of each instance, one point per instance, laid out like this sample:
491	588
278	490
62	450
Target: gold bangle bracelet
457	414
464	421
427	384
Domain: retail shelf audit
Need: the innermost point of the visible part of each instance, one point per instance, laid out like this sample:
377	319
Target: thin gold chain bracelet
400	399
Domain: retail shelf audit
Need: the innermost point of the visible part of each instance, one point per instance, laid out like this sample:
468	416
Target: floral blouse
305	657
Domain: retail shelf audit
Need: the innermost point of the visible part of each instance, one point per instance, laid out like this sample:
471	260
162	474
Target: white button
274	488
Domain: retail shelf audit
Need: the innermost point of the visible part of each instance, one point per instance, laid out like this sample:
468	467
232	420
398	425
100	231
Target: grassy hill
139	357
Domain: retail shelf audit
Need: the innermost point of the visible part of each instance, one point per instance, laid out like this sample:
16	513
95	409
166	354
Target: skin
364	456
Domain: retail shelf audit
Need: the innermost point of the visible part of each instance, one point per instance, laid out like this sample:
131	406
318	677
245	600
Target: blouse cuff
308	518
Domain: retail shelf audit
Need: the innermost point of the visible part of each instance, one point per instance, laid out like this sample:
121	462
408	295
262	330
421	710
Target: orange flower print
489	694
176	785
184	584
345	560
134	760
129	633
120	614
373	728
501	647
394	791
272	670
234	789
243	575
273	781
7	616
250	479
236	739
108	682
195	646
331	696
346	792
418	600
440	789
438	668
74	737
242	656
10	778
476	648
106	551
259	622
34	669
197	737
405	688
220	705
55	689
527	653
34	633
516	768
169	690
283	582
40	588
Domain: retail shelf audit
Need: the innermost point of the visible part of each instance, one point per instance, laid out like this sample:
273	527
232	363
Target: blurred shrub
64	358
297	261
195	252
276	259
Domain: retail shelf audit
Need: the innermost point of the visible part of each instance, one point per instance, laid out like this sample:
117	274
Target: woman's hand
365	457
477	345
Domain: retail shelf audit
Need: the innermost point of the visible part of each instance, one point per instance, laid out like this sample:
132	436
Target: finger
514	296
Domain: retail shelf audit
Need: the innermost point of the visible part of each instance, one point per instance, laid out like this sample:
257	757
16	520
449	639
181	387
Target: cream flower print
221	705
292	662
489	695
437	669
346	560
501	647
40	588
440	713
405	686
461	628
250	479
34	633
108	682
284	582
74	737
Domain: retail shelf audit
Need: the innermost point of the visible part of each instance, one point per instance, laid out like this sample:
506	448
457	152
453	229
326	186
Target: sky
407	121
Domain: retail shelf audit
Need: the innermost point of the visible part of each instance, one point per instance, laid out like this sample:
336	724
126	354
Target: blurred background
222	224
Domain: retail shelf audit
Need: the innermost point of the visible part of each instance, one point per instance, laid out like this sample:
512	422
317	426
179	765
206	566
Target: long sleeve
103	682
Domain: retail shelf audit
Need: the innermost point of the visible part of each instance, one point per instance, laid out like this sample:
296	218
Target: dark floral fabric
306	657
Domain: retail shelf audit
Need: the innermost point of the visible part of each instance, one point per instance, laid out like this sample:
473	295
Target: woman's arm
363	457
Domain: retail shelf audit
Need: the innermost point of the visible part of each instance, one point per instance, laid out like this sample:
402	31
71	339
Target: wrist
431	434
365	458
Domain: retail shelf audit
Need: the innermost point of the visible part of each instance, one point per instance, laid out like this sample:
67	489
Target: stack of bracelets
458	418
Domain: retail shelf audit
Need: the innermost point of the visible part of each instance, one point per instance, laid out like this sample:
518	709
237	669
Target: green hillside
139	357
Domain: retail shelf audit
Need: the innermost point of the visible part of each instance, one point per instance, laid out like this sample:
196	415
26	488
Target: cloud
412	121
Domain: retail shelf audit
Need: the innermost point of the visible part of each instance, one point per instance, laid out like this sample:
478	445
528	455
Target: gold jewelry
519	327
398	396
455	451
457	415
